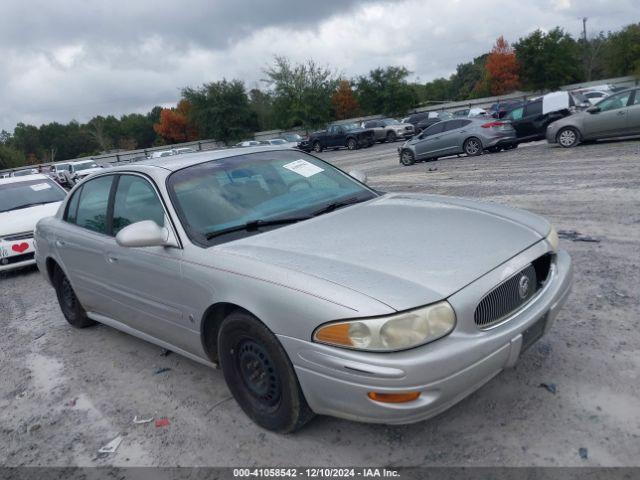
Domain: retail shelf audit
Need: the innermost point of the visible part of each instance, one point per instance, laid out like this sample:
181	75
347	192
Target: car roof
178	162
82	161
23	178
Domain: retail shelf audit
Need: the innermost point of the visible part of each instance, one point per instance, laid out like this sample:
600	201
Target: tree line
308	95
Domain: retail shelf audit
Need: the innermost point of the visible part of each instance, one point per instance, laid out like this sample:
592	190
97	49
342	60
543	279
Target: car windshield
277	141
292	137
84	166
22	173
27	193
224	195
444	115
350	126
390	121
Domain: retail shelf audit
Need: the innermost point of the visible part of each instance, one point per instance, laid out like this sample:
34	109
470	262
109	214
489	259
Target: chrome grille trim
504	300
18	236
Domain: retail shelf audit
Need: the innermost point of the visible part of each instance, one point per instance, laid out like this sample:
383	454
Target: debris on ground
584	453
165	352
162	422
576	236
34	427
40	336
432	169
112	446
72	402
139	421
550	387
161	370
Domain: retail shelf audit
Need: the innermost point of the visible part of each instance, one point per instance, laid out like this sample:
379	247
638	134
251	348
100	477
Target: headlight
552	239
390	333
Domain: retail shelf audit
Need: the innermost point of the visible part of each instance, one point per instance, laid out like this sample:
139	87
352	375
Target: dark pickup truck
337	135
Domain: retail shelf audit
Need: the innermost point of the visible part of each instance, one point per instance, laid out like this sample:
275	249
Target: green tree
621	54
261	104
26	138
548	60
301	93
10	157
386	91
221	110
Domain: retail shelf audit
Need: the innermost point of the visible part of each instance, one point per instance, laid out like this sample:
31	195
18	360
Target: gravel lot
64	393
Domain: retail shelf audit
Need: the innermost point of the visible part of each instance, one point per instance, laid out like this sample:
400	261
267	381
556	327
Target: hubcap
316	147
258	373
567	137
472	147
352	145
406	158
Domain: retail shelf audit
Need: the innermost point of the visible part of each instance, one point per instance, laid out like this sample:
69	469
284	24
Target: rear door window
91	211
534	108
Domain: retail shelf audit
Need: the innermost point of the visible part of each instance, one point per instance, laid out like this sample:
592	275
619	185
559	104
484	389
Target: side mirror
593	109
146	233
358	175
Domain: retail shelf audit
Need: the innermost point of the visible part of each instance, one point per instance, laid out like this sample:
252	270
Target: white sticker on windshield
304	168
40	186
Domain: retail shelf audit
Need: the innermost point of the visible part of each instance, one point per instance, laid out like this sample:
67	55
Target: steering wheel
300	180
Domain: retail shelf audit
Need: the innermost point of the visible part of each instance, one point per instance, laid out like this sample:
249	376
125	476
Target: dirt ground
64	393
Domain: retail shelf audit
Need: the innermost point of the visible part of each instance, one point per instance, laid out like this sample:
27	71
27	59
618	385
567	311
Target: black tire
407	158
472	146
568	137
259	374
494	149
352	144
69	303
391	136
511	146
317	146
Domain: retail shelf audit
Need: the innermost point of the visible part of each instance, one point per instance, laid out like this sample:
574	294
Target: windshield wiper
335	205
25	206
254	225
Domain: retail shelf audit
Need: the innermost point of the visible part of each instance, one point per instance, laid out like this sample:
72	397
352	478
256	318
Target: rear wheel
511	146
472	146
317	147
259	374
352	144
407	158
391	137
568	137
69	303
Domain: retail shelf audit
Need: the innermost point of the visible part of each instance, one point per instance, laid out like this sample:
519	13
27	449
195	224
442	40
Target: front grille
513	293
19	236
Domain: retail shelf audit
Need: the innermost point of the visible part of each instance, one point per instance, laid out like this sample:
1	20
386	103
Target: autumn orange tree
344	101
174	125
502	68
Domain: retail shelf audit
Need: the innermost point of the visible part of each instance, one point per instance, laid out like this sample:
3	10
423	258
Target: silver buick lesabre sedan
313	292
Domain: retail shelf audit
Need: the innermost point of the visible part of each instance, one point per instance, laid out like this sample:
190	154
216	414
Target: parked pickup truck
337	135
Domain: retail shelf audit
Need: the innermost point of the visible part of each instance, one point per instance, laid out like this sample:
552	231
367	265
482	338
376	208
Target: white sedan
23	201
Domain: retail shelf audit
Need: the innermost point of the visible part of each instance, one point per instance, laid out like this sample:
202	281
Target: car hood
404	250
25	219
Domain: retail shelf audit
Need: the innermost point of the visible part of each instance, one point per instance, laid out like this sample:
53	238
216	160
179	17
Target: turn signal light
394	397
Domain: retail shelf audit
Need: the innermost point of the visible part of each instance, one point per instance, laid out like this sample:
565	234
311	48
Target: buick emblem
523	287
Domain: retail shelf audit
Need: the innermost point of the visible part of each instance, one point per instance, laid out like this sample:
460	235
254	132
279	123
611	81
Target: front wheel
317	147
391	137
568	137
407	158
352	144
472	147
259	374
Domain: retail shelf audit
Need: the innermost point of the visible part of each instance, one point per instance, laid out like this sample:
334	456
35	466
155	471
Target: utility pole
584	28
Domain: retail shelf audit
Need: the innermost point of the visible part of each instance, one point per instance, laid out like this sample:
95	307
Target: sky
73	59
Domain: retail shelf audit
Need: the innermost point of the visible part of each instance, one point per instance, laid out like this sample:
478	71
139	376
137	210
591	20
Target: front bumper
552	134
336	381
16	254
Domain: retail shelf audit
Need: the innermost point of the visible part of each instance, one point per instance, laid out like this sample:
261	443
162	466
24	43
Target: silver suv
389	129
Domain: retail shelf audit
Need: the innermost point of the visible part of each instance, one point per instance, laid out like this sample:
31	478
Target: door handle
60	243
